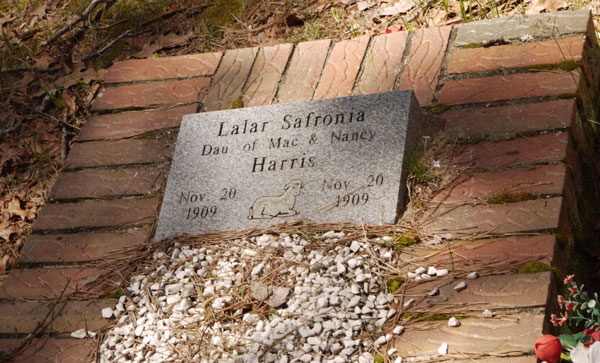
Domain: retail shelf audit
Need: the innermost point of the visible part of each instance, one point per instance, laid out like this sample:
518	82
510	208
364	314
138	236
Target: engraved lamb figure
269	207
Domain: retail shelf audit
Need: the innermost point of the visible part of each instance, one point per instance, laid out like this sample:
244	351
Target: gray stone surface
331	160
550	25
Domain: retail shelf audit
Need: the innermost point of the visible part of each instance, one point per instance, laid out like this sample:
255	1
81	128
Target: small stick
94	4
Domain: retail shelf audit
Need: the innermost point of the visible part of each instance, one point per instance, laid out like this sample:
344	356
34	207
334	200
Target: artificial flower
393	29
582	355
561	300
568	279
548	348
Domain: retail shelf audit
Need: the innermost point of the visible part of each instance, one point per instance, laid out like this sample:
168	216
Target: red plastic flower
561	300
553	319
568	279
563	320
572	291
393	29
595	335
548	348
570	307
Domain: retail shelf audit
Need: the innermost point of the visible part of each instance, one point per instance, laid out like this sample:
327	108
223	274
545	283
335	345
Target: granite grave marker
333	160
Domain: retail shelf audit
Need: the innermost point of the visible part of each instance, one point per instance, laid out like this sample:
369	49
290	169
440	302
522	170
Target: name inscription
329	160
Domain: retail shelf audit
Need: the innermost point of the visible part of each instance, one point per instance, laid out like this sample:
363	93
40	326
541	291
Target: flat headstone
548	25
334	160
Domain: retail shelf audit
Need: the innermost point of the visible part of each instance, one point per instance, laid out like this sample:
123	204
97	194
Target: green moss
472	45
223	12
238	103
405	240
437	109
566	65
506	197
467	140
115	295
564	96
502	137
378	359
394	284
433	317
535	267
148	135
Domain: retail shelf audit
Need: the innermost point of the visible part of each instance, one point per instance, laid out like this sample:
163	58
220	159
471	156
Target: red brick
342	68
266	73
510	87
538	149
162	68
127	124
511	334
518	118
151	94
477	254
46	282
230	78
515	291
60	248
425	62
531	215
51	350
543	179
382	64
122	152
97	213
518	55
104	183
302	76
22	317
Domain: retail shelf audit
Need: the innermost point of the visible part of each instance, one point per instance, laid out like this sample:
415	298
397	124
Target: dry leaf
14	209
399	7
539	6
6	230
364	5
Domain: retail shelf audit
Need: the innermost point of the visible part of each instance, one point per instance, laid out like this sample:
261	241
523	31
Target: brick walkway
107	196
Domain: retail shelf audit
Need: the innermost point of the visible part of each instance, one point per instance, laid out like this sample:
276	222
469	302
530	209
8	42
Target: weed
418	170
534	267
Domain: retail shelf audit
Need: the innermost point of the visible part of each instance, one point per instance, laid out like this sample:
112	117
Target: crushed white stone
453	322
473	275
326	303
460	286
443	349
488	314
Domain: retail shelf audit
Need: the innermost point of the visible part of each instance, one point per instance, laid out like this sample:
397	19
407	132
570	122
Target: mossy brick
97	213
341	69
510	87
516	55
151	94
122	125
50	350
541	179
120	152
524	150
518	291
261	87
106	183
382	63
80	247
163	68
550	25
22	317
527	216
230	78
516	118
425	62
477	254
304	70
48	282
512	334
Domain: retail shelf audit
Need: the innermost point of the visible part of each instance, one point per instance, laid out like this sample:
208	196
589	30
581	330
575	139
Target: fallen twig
94	4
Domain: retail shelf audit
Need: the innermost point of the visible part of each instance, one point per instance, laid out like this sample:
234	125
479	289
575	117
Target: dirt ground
53	55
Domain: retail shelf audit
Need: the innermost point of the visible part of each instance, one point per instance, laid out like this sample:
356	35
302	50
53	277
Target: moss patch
472	45
394	284
437	109
566	65
148	135
505	197
405	240
238	103
535	267
115	295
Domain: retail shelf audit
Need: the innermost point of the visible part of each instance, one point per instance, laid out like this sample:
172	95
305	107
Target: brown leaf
541	6
42	60
14	209
164	41
400	7
6	230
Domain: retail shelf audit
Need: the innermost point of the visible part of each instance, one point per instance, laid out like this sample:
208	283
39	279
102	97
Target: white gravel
327	303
